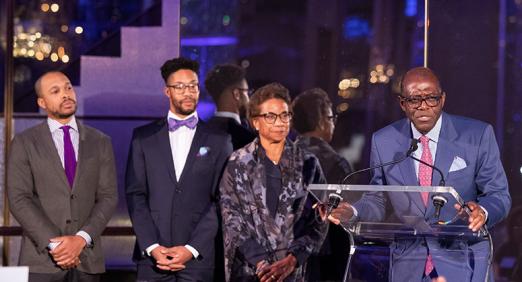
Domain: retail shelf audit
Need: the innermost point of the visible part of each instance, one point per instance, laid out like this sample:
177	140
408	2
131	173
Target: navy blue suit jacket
483	180
170	212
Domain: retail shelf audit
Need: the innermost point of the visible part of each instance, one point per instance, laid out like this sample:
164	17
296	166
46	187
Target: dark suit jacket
45	206
482	180
240	135
170	212
330	263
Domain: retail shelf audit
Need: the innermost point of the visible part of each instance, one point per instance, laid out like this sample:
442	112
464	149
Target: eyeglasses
248	91
179	88
416	101
332	118
271	118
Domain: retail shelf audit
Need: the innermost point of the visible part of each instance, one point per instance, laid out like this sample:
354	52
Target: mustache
188	100
67	100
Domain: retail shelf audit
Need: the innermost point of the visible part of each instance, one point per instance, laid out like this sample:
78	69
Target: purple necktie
69	159
174	124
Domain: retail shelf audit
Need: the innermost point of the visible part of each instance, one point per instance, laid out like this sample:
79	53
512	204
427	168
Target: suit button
73	197
68	221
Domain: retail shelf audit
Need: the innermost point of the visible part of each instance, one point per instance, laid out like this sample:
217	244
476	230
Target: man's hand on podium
477	215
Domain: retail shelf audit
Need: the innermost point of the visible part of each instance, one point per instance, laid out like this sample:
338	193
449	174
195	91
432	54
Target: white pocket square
457	164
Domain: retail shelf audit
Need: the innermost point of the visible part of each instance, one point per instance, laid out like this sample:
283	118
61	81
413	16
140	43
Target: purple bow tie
174	124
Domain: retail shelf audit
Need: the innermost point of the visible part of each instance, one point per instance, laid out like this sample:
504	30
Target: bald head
421	98
419	74
38	84
56	96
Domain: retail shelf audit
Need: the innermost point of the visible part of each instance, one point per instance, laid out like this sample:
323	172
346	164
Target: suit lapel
163	141
407	167
84	146
51	153
197	142
446	149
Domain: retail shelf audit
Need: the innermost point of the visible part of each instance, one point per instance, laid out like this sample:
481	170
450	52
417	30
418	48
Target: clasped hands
171	259
477	217
276	271
67	253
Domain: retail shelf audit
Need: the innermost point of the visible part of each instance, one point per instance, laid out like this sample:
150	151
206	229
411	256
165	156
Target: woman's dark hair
270	91
309	108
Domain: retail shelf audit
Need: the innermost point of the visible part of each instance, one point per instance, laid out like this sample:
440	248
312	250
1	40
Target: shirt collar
55	125
433	134
228	115
173	115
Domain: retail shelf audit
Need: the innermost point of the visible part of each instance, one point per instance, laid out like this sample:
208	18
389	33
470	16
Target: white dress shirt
180	143
57	135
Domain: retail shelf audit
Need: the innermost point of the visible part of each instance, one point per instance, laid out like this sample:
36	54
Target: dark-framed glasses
271	118
416	101
180	87
246	90
332	118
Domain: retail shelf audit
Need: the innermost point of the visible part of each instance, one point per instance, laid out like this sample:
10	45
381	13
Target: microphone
413	147
333	201
438	201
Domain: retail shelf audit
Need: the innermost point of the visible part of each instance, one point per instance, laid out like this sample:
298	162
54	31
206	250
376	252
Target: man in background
228	87
315	123
61	188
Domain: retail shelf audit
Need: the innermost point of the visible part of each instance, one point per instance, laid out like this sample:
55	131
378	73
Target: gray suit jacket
45	206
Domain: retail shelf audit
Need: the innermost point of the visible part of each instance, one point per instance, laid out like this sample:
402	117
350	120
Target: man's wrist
195	253
86	237
149	250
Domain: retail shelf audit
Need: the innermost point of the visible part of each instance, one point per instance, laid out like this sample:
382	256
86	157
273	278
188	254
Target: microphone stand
413	147
438	206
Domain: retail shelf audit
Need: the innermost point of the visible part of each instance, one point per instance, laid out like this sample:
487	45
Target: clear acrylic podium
404	222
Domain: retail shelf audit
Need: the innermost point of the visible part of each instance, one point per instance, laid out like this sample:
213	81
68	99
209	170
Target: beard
184	110
64	114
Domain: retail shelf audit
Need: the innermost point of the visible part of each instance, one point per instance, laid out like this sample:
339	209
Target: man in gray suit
61	188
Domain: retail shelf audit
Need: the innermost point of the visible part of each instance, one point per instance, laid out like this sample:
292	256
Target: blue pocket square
203	151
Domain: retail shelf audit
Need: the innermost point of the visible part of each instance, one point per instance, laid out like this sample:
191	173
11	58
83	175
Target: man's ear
166	91
236	94
402	104
41	103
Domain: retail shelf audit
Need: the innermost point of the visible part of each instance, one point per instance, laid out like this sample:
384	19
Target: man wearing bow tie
173	171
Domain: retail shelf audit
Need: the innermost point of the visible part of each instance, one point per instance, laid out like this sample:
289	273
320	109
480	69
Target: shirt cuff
355	213
151	248
86	237
194	252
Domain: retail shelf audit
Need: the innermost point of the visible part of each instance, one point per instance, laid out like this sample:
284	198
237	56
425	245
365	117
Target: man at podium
466	152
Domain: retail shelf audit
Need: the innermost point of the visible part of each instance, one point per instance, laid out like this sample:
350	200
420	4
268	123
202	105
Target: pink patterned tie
425	173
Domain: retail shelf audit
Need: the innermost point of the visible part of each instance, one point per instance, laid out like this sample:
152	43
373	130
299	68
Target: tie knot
424	140
175	124
65	128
